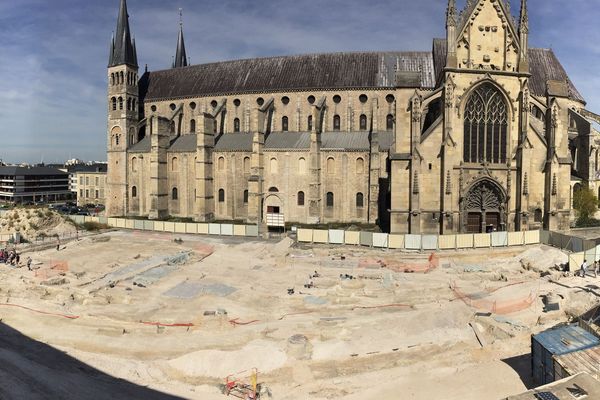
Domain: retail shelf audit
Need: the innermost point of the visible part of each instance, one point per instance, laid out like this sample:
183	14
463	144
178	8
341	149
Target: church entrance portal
483	208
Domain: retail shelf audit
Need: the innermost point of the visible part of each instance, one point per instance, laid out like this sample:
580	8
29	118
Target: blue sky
53	54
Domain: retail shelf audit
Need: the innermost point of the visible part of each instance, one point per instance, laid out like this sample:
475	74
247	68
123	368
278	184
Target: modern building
33	184
475	134
580	386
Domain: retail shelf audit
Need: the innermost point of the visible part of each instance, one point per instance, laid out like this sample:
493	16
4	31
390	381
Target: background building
91	185
33	184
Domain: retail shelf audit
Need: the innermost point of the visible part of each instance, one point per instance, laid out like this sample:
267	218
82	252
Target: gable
487	38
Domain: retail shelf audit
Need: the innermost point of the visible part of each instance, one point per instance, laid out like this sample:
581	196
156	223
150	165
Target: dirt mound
32	223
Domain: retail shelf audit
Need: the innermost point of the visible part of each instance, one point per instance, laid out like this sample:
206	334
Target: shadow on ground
33	370
522	366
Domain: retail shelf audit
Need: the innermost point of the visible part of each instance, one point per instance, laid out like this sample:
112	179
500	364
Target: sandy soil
382	335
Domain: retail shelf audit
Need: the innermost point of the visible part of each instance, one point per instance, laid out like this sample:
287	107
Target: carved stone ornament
484	196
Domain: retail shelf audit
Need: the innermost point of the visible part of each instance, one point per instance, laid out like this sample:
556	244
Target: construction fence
579	249
174	227
418	242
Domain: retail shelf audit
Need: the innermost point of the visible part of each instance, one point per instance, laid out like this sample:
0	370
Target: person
583	268
29	263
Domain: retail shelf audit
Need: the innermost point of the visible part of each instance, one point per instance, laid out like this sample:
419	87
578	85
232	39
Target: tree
586	205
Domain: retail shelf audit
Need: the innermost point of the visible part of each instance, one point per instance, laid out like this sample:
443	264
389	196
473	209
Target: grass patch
93	226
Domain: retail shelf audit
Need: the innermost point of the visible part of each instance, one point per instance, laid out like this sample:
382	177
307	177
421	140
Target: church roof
301	72
543	66
330	141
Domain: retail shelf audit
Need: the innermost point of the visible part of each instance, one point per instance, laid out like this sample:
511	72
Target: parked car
83	213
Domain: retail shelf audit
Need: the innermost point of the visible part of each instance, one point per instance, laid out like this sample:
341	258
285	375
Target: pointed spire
123	49
451	13
524	20
180	56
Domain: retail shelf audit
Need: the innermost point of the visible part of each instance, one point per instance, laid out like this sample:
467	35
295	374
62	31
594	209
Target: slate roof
330	141
301	72
543	66
30	171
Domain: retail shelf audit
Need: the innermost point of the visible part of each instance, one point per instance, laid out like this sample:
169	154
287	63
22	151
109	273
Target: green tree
586	205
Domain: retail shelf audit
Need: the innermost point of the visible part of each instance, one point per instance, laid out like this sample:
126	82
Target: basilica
478	133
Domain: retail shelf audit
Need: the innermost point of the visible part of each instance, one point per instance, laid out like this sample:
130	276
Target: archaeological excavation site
120	313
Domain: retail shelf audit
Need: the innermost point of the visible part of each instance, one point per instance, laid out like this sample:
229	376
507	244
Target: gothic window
236	125
484	196
310	122
193	125
246	165
129	104
360	165
221	196
389	122
122	78
112	79
336	122
486	125
245	196
537	215
329	199
360	200
221	163
284	124
363	122
300	198
174	194
133	104
117	139
114	103
133	191
120	103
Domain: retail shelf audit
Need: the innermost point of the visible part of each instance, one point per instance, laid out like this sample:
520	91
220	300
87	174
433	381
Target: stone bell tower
123	103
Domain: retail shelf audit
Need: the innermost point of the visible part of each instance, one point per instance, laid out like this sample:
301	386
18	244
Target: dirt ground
139	315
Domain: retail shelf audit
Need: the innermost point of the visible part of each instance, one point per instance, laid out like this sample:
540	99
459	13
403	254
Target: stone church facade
479	133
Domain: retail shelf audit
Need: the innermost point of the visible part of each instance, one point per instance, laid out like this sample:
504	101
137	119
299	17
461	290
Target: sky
53	54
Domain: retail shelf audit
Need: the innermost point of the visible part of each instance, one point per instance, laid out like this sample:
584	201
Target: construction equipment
243	386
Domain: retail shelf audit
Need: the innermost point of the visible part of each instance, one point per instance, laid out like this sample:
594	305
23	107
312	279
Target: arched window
129	104
193	125
221	195
284	124
174	194
117	137
273	165
336	122
537	215
245	196
309	122
300	198
133	104
273	189
246	165
174	164
389	122
122	78
330	165
329	199
114	103
236	125
302	166
486	124
120	103
360	165
133	191
134	164
112	79
363	122
221	163
360	200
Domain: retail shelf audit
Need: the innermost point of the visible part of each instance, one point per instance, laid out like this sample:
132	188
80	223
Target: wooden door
474	223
